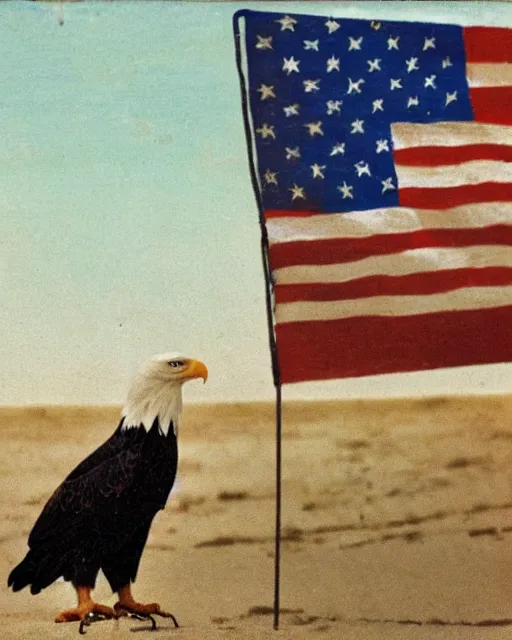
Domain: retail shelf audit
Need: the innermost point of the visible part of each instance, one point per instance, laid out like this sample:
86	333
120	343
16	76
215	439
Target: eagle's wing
101	494
119	441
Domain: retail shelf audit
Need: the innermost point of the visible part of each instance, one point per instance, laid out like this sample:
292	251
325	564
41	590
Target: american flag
383	160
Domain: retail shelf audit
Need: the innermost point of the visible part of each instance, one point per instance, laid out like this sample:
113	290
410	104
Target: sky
128	226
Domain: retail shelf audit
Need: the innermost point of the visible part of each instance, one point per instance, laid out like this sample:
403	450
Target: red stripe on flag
447	197
492	104
340	250
411	284
361	346
488	44
435	156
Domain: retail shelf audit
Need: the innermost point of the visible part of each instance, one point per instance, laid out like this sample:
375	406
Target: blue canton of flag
324	93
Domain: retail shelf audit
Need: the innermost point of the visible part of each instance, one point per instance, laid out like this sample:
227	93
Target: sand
397	520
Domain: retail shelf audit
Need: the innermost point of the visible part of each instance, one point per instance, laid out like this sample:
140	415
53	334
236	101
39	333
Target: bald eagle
100	516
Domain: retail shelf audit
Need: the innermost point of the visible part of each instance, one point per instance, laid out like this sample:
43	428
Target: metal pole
277	554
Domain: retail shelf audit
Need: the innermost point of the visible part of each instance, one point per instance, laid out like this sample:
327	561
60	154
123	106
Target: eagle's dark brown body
99	517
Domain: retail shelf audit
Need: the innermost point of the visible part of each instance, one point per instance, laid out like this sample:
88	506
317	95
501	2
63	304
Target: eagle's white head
156	391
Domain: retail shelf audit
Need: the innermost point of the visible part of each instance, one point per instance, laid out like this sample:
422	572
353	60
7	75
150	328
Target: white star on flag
374	65
362	168
387	185
339	148
290	65
314	128
430	43
412	64
332	25
287	23
311	45
297	192
357	126
382	145
266	131
333	106
266	92
451	97
345	190
430	81
395	83
333	64
318	171
264	43
377	105
292	154
291	110
270	176
355	43
354	86
311	85
393	42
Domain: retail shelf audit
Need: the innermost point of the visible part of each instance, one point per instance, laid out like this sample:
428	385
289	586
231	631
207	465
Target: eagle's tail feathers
24	573
36	571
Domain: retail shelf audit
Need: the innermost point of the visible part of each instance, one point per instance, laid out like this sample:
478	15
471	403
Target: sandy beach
397	520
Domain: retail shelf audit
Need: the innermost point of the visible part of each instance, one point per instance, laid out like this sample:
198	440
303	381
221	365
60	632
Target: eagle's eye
176	363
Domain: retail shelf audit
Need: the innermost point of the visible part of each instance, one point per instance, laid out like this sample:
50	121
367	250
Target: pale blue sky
128	226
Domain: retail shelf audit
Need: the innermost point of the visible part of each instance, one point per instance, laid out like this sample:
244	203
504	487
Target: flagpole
277	550
269	306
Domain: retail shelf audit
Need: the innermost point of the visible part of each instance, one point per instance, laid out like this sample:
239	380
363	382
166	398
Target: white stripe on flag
361	224
449	134
489	74
456	175
461	299
396	264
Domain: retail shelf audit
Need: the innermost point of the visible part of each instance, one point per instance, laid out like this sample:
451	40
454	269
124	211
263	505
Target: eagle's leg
128	605
86	611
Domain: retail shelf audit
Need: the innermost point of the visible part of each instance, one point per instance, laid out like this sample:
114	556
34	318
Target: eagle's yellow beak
196	369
